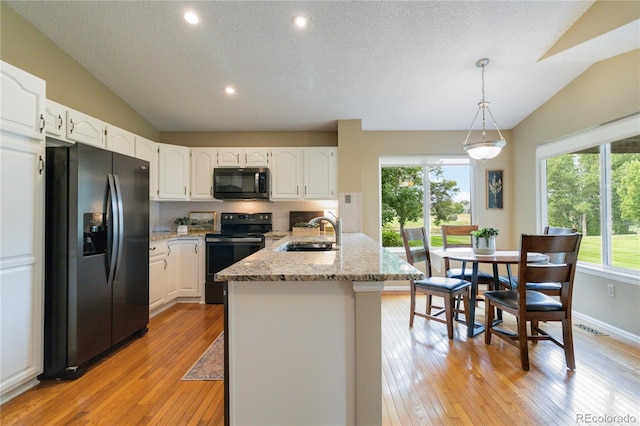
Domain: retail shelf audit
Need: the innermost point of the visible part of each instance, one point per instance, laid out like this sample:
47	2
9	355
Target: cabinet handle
152	248
41	162
297	190
73	126
185	190
165	264
42	123
245	158
195	246
238	158
211	190
305	190
169	251
60	122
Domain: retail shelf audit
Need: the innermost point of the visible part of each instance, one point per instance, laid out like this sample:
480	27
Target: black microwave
241	183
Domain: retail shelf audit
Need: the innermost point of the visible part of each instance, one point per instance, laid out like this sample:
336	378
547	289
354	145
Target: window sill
609	273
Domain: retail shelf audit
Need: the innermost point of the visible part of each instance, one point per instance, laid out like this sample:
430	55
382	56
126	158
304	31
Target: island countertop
359	258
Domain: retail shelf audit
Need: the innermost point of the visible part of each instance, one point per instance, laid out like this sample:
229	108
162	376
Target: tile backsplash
163	213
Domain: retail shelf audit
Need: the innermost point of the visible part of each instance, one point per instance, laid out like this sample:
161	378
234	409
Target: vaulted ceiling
396	65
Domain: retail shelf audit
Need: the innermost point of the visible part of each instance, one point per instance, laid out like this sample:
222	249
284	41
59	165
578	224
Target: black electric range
241	234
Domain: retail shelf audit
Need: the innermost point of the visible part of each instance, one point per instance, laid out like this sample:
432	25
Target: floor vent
590	330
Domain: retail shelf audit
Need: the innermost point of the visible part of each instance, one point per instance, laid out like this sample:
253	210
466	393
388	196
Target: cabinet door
230	157
319	173
22	151
157	270
285	173
203	160
55	118
174	172
23	99
189	255
148	150
256	157
119	140
86	129
173	277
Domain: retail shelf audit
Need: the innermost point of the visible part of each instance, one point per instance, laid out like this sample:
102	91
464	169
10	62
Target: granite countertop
166	235
359	258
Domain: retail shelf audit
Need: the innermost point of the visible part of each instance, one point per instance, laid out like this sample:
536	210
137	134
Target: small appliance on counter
241	234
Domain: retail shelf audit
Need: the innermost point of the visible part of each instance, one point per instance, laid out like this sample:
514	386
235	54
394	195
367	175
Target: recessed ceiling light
301	21
191	17
229	90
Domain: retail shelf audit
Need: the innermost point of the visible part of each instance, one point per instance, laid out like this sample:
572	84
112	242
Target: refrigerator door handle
120	228
114	220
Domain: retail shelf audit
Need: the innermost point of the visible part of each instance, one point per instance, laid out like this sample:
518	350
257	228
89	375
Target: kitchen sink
317	246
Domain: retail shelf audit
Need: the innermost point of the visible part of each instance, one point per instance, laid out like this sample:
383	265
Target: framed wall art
495	189
202	221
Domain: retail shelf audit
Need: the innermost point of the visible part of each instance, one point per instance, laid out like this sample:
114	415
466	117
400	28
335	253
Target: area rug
210	366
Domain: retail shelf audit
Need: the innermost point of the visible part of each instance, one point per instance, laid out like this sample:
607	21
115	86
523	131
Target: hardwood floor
427	379
139	384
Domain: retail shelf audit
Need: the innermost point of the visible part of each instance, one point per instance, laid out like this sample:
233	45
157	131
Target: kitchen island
304	332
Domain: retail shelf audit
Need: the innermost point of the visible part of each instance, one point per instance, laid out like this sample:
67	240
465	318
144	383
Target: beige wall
607	91
253	139
375	144
22	45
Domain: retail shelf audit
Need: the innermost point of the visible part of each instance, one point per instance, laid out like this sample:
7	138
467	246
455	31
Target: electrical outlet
611	291
347	199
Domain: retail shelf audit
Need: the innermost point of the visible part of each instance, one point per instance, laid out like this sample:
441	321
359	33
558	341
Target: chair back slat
554	230
457	235
548	273
418	253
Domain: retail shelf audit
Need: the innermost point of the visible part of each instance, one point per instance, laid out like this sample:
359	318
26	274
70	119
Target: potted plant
183	224
304	229
484	240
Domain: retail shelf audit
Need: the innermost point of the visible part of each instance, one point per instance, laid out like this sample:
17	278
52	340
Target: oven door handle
246	240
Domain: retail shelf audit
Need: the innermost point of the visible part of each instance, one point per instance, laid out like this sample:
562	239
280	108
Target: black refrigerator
96	255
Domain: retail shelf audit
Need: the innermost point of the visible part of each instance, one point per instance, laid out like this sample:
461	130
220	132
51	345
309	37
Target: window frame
599	136
425	161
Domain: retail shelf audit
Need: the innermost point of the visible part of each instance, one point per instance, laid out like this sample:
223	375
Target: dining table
467	255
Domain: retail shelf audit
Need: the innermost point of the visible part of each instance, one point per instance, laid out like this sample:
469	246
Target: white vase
482	245
183	229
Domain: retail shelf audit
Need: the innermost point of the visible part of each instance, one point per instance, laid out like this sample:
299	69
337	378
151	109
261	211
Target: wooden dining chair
460	236
530	306
447	288
551	289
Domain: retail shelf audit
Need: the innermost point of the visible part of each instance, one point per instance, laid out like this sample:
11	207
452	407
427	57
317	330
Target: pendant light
484	149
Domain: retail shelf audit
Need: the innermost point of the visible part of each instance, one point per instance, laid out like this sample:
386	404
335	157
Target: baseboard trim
608	327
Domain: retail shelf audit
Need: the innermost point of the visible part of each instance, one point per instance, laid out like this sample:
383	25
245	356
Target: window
406	180
591	182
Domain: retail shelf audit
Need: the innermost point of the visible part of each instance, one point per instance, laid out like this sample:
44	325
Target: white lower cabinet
189	285
175	270
157	272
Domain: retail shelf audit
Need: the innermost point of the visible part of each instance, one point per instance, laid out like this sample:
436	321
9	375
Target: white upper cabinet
203	161
320	173
120	140
22	154
303	173
243	157
23	100
286	173
55	117
173	172
148	150
86	129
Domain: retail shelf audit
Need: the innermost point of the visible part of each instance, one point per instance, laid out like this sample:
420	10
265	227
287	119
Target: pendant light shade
484	149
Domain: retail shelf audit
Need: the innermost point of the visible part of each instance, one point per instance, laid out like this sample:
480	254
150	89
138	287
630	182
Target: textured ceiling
395	65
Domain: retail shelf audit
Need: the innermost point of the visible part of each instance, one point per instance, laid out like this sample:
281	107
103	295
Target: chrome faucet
337	225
